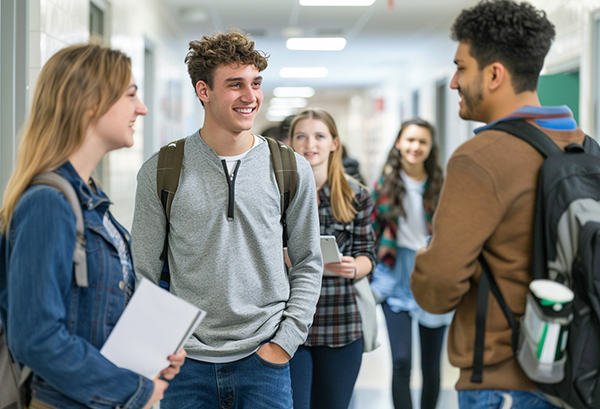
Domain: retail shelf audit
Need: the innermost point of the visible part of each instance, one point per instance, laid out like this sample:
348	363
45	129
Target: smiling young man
225	241
487	204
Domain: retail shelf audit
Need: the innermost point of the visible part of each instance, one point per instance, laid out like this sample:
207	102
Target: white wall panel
55	24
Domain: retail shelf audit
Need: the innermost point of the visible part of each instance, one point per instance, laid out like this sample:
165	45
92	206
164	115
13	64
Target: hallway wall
136	27
368	118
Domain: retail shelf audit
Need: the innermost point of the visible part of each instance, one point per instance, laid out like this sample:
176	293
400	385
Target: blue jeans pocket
271	364
500	399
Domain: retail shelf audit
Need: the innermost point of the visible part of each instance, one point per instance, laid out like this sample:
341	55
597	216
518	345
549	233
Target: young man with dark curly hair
225	241
487	204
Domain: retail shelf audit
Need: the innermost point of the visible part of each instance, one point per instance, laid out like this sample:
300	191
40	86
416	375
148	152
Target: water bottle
545	331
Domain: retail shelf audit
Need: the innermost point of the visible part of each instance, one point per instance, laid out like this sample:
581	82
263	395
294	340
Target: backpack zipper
231	185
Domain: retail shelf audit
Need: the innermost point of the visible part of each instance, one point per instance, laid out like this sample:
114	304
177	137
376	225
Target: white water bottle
544	331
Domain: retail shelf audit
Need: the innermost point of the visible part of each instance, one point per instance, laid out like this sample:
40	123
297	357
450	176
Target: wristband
355	273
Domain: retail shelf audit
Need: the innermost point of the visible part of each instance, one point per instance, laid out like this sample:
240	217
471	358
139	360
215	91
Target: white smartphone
330	252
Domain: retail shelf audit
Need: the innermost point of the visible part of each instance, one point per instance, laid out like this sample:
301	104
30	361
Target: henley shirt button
127	237
122	285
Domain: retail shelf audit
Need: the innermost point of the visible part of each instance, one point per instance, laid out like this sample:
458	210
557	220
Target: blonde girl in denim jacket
85	105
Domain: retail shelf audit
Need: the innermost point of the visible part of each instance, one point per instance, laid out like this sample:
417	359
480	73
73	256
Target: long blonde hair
75	88
342	195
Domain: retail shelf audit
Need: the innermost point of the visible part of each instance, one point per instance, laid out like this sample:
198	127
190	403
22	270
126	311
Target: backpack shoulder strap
63	185
286	174
590	146
168	170
79	264
530	134
487	283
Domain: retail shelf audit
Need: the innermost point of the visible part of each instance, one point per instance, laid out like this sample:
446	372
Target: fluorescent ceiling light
288	102
291	92
303	72
336	2
285	111
316	44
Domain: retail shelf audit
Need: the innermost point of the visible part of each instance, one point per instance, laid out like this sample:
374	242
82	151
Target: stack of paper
154	325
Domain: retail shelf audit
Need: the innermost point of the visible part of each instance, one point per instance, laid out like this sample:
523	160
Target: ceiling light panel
316	44
292	92
359	3
303	72
288	102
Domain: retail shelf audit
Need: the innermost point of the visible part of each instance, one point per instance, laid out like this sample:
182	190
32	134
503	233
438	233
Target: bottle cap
551	293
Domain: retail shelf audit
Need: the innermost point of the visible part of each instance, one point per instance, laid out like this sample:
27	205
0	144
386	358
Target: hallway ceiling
381	38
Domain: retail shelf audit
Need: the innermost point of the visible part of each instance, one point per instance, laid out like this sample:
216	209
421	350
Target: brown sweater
488	204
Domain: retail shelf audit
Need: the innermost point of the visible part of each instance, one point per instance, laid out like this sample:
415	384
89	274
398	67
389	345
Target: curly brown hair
516	34
232	47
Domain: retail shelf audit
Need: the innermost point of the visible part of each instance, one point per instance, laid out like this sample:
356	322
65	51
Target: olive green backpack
168	170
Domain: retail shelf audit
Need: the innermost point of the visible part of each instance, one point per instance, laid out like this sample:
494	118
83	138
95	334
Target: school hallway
398	63
373	387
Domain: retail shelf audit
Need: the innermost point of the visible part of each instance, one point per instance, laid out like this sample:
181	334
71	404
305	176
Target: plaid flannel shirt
337	321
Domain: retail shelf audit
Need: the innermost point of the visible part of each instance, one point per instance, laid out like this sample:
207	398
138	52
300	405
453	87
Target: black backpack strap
539	140
63	185
480	316
530	134
286	175
488	283
168	170
590	146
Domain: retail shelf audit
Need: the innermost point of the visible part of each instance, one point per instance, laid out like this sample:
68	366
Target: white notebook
154	325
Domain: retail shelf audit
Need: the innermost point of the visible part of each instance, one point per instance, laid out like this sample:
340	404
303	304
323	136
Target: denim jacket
53	326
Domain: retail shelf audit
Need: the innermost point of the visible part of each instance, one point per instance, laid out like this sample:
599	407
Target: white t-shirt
412	232
233	160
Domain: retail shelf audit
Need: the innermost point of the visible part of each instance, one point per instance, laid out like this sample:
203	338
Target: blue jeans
324	377
499	399
250	383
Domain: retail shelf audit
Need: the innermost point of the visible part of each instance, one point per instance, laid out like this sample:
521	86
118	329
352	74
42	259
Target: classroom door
560	89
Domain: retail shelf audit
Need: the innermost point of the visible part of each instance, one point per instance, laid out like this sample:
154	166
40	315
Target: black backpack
170	158
566	248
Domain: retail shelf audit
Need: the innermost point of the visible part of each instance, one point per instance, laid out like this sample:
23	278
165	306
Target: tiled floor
373	387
